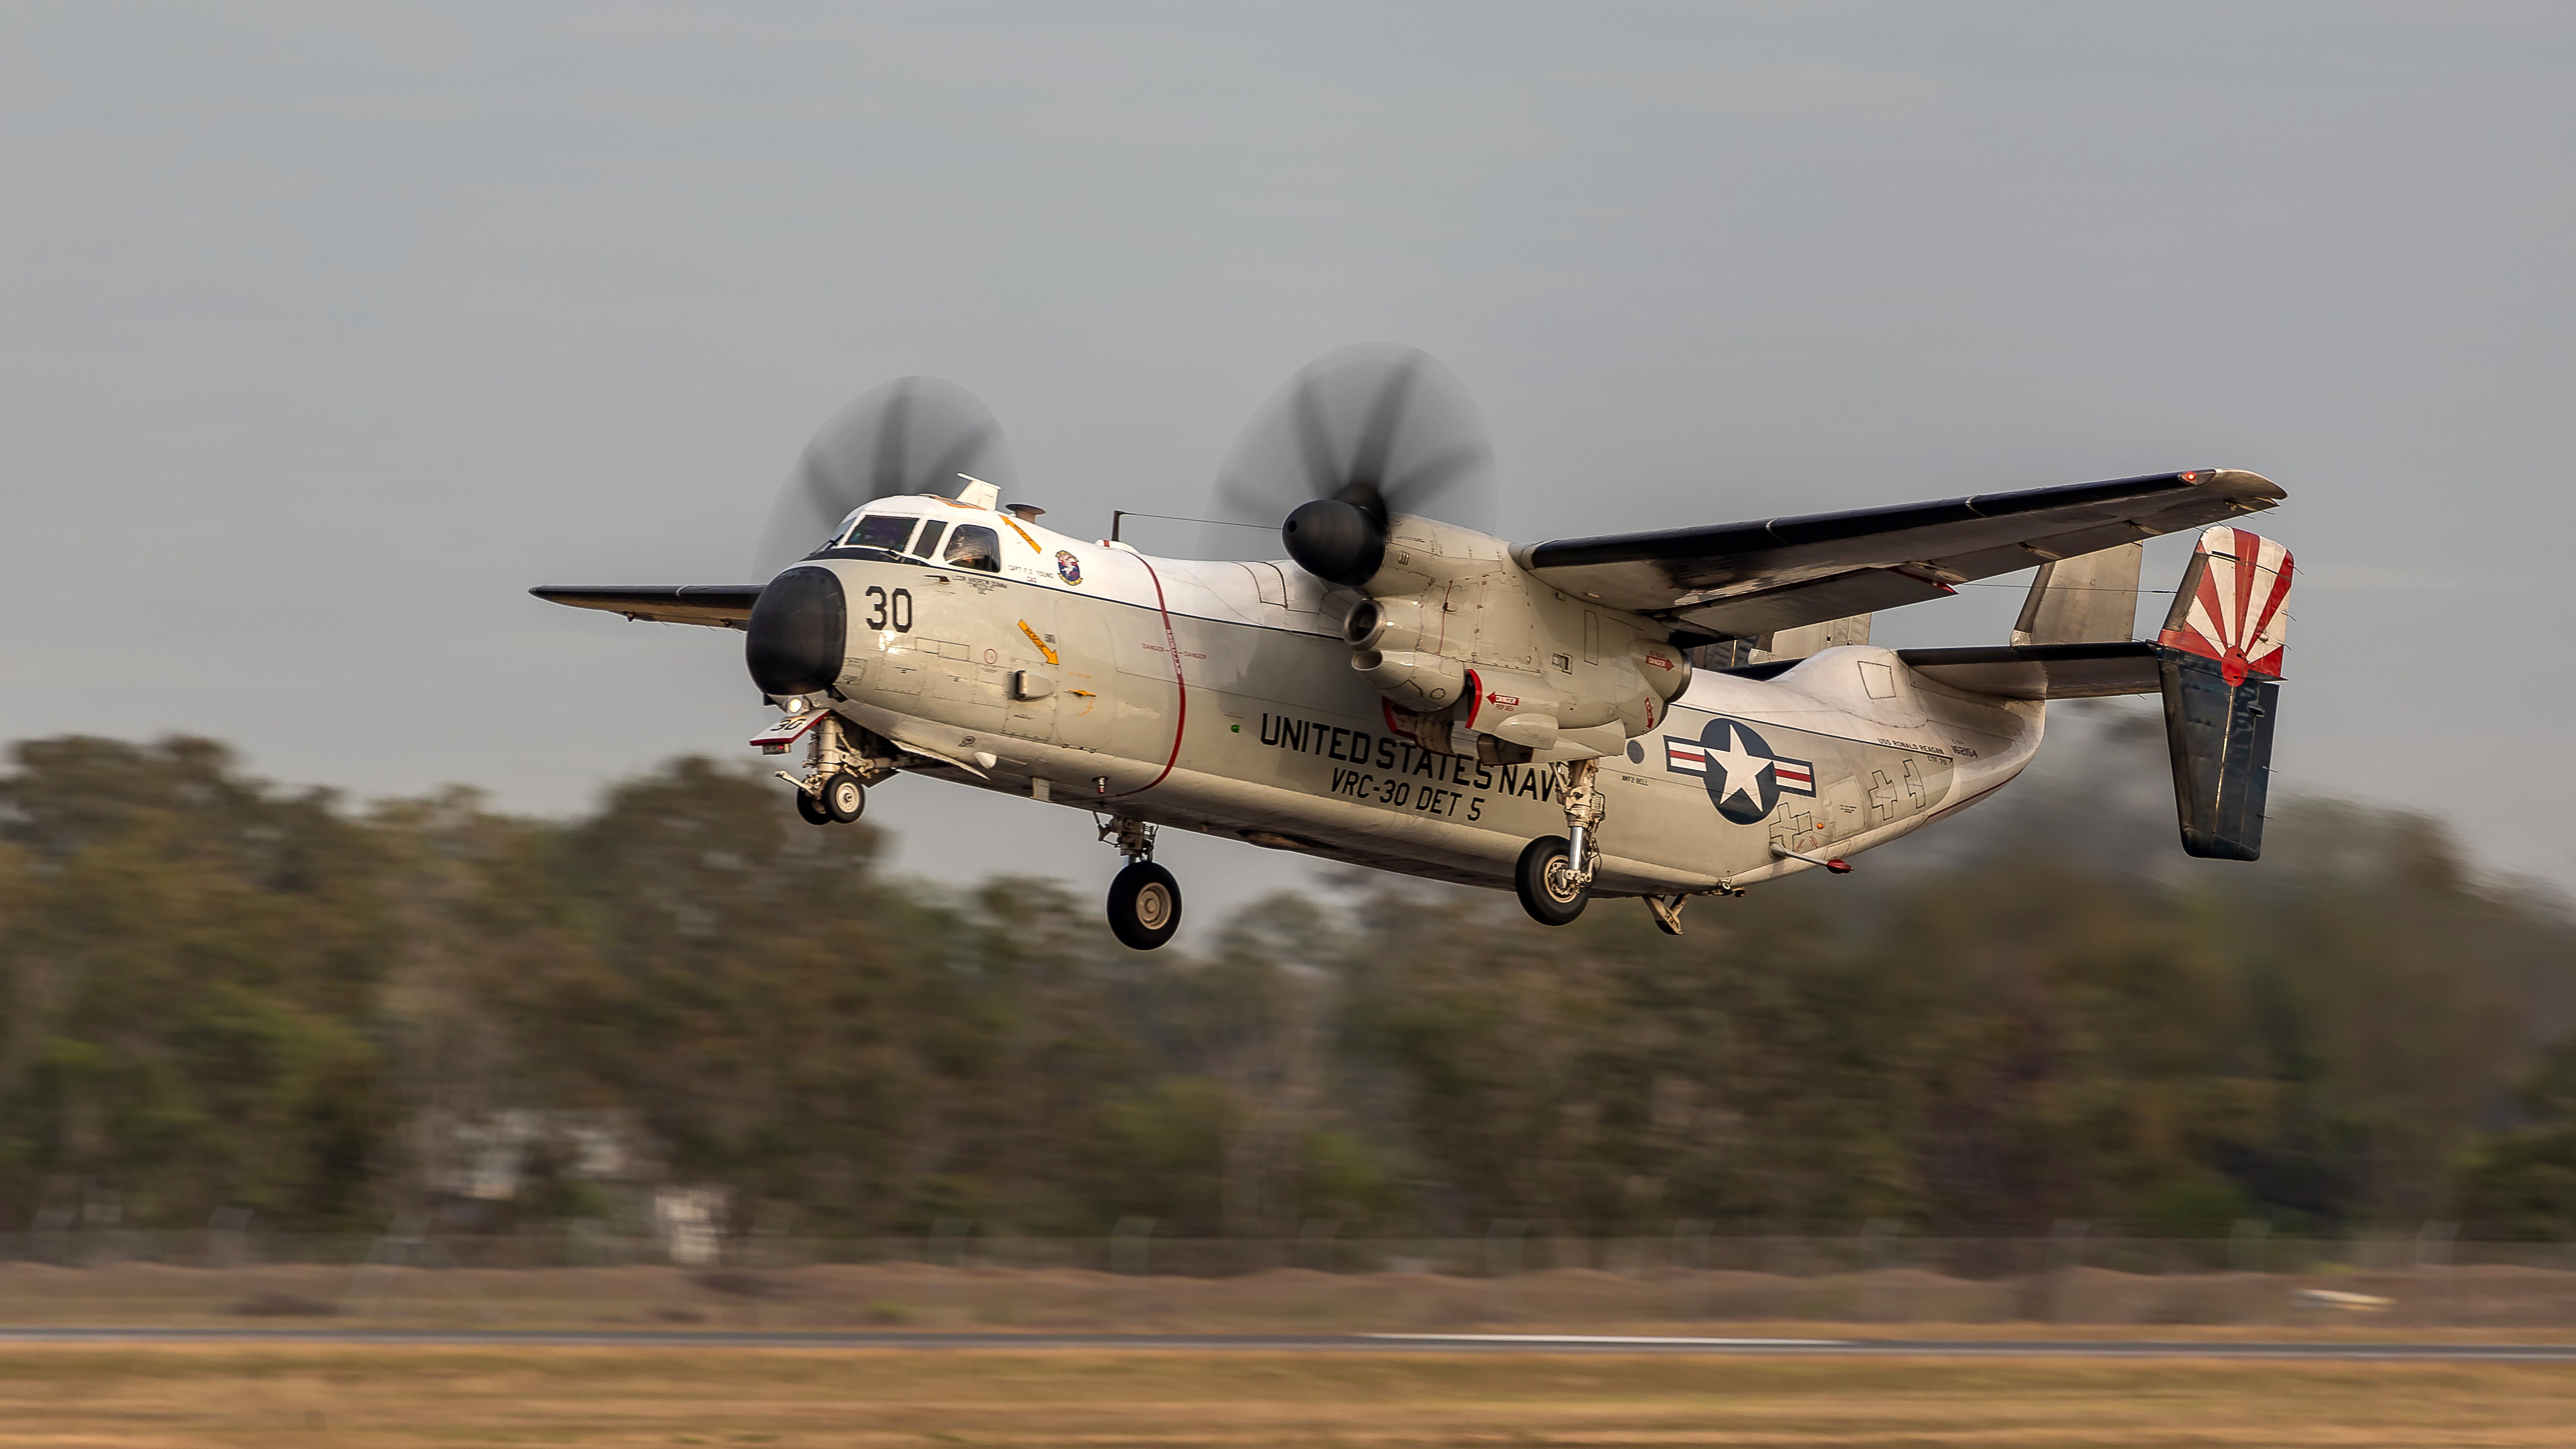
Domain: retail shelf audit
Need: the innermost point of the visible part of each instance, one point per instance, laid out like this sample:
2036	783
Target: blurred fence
1316	1282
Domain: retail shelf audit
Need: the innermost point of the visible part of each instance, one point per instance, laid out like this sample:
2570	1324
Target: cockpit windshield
881	530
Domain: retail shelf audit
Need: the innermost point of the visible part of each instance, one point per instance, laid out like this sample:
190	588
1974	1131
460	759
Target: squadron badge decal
1745	779
1067	567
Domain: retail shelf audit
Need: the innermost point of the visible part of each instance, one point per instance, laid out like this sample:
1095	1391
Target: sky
325	331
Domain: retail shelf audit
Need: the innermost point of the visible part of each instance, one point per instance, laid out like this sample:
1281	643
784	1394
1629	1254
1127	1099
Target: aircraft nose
794	638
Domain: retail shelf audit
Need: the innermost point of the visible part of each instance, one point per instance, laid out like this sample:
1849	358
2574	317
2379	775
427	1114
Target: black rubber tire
845	797
812	809
1144	906
1530	878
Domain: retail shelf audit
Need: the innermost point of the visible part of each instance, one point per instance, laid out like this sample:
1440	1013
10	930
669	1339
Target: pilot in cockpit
972	546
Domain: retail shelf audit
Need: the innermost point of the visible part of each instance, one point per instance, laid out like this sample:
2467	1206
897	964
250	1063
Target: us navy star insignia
1743	771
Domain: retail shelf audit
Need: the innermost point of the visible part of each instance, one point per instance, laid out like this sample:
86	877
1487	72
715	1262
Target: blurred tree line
219	994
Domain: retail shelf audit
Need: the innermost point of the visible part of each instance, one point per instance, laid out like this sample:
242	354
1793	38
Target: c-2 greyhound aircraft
1660	715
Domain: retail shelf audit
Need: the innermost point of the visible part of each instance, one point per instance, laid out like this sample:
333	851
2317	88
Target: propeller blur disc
912	435
1383	427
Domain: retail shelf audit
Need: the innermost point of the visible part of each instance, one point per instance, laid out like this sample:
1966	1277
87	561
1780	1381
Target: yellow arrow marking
1034	639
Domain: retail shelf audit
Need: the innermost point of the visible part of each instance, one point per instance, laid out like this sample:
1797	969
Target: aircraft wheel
812	809
1144	905
845	797
1545	880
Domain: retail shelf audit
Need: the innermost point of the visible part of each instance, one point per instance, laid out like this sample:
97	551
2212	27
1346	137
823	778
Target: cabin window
972	546
927	546
881	530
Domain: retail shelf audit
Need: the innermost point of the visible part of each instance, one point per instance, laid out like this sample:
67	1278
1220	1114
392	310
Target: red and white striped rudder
2230	605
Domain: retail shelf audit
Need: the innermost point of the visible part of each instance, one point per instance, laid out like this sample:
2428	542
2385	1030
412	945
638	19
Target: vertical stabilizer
1809	639
2219	659
2089	599
1798	643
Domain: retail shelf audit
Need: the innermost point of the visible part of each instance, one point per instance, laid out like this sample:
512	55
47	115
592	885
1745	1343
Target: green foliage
2523	1181
216	993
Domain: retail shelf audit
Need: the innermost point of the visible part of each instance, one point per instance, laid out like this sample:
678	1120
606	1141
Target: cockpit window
881	530
973	546
927	546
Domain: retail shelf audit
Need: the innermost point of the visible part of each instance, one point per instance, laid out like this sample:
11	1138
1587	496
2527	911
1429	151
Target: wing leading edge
1739	580
718	606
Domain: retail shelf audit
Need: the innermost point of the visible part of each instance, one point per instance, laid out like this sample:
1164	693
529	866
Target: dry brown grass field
2479	1302
159	1396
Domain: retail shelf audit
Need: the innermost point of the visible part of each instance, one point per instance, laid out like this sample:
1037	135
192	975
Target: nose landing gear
1144	906
835	789
845	798
1144	899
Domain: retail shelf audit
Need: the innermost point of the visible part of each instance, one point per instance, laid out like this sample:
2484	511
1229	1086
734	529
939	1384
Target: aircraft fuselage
1220	698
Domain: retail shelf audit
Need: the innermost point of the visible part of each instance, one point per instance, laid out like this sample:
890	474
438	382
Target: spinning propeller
1358	436
913	435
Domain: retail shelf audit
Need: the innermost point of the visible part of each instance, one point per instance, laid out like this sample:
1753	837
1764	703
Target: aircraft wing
1741	580
720	606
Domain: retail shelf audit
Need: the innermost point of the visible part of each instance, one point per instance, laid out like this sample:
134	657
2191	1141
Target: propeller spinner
1358	436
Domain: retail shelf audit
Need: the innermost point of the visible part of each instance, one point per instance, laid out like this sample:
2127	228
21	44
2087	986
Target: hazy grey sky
327	330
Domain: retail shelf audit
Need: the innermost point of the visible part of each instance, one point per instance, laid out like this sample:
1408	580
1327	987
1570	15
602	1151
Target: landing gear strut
1554	876
834	791
1144	899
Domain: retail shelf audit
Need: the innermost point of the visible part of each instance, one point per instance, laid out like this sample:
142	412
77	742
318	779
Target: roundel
1744	776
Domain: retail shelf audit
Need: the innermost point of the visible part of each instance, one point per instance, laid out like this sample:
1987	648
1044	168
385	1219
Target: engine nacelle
1453	631
1412	680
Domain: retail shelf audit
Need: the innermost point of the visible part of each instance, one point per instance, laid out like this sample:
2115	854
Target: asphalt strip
1331	1343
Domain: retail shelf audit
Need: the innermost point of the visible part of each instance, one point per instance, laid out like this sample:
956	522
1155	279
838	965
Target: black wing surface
1740	580
720	606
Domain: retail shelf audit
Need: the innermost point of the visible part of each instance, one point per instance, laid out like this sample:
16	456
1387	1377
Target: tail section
2219	661
2089	599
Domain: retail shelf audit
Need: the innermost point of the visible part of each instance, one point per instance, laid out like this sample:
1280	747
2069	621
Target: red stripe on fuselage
1180	686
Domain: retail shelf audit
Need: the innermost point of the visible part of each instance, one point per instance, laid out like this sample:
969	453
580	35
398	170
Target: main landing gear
1550	889
1144	899
835	789
1554	876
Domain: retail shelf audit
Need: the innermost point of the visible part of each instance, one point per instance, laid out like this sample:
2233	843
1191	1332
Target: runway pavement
1333	1343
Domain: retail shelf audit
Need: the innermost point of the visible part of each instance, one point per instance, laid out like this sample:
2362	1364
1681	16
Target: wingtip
2247	484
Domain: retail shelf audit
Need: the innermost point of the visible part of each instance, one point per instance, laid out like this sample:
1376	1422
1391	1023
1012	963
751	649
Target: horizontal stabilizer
720	606
2041	671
